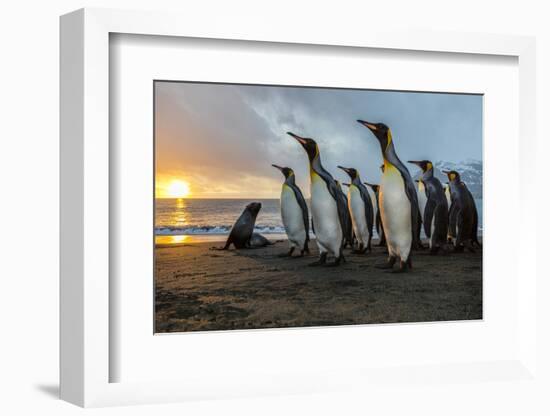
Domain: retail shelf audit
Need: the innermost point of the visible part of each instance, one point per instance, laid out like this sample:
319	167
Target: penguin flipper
305	213
453	214
341	204
476	219
369	211
410	191
429	212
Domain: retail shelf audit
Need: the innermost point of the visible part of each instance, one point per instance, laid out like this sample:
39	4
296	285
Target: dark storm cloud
232	134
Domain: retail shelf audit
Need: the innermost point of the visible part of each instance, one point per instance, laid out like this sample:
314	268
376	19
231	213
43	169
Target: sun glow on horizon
178	189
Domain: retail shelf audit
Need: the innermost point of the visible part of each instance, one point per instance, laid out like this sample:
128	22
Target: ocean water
212	219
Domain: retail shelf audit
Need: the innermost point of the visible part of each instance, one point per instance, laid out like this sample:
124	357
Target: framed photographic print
230	172
286	213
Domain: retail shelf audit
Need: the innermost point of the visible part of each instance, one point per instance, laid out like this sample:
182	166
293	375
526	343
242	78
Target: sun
178	189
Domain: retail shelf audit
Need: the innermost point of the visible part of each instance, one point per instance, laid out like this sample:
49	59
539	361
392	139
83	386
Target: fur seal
242	233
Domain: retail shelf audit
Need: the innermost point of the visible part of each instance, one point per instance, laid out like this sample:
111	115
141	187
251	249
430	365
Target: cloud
225	137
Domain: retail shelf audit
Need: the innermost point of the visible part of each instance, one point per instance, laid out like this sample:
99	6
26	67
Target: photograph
295	206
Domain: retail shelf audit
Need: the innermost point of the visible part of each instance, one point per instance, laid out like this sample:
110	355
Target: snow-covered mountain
470	170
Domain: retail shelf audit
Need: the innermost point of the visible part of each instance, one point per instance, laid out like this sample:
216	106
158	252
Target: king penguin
375	189
398	201
462	214
328	210
294	213
361	210
435	213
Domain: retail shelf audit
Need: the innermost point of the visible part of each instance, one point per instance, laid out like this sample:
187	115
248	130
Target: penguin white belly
396	213
448	196
358	218
293	219
324	211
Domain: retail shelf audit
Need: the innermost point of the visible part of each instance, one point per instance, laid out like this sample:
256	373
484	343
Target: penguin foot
459	249
322	260
336	262
289	254
386	266
401	269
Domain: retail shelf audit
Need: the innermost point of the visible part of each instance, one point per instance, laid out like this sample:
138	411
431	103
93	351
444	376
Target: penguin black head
380	131
453	175
373	186
254	208
288	172
425	165
350	171
309	145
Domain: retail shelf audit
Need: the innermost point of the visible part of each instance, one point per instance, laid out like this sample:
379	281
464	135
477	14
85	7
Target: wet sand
198	289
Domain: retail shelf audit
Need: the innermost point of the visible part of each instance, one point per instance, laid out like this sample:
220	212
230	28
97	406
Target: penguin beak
346	184
368	125
414	162
301	140
446	172
343	168
278	167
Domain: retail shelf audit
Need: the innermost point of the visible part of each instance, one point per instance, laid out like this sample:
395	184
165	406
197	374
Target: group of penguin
394	207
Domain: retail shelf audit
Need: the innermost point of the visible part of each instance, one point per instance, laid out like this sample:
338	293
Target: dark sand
198	289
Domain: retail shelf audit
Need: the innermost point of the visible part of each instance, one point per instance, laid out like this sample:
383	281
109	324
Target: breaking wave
213	229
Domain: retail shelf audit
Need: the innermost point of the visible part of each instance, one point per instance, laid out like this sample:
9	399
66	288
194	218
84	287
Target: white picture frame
85	211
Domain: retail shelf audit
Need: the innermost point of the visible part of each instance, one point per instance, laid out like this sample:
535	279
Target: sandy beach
198	289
